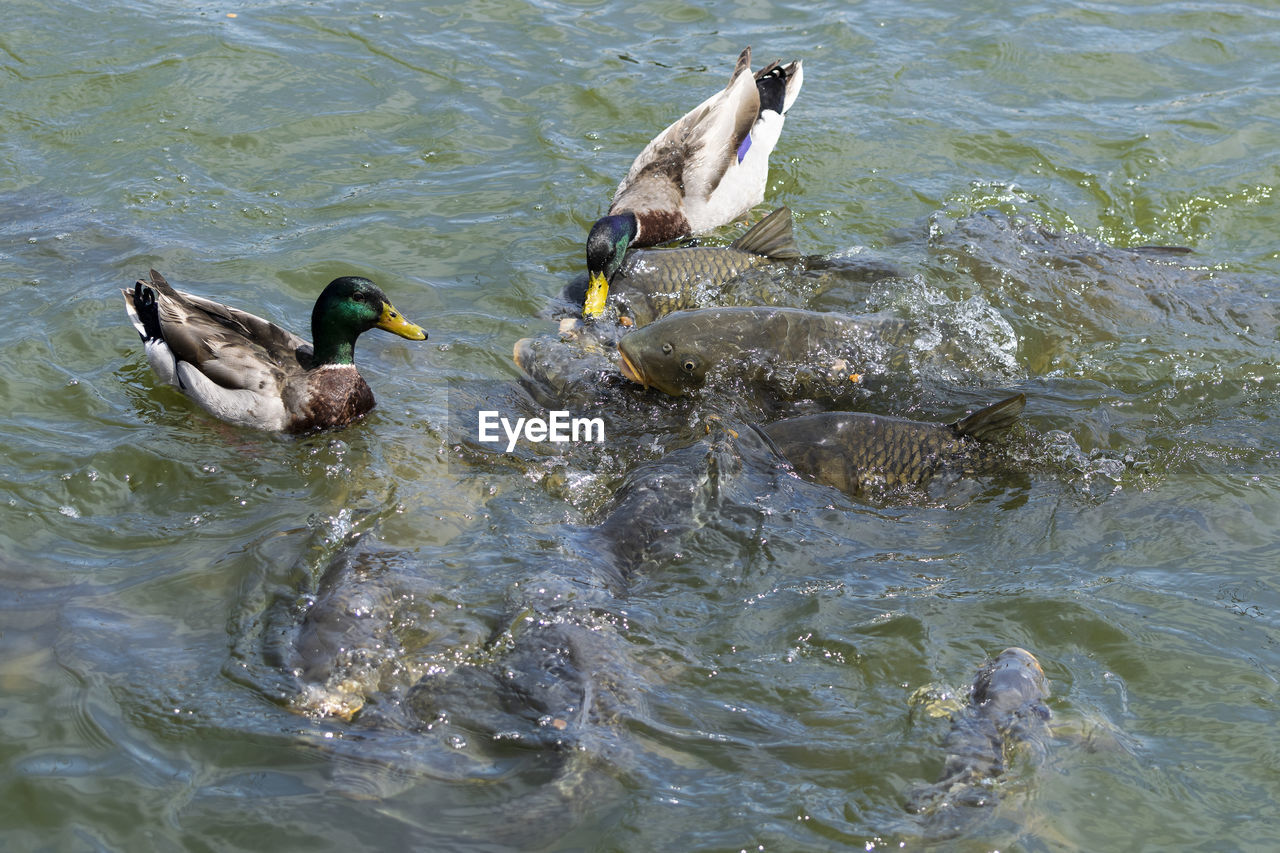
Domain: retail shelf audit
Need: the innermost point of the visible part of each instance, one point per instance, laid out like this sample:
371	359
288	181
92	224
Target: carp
1006	712
856	452
783	353
652	283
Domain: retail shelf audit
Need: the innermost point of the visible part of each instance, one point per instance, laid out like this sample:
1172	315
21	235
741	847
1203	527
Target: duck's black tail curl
145	304
772	86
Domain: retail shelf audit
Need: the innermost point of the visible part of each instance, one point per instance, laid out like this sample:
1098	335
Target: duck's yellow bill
393	322
597	293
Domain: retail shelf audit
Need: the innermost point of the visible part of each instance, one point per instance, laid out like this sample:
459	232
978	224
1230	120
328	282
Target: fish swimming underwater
780	353
855	451
561	677
1006	712
571	370
705	170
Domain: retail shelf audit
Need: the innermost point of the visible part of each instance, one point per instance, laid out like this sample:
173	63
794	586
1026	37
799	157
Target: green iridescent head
607	245
347	308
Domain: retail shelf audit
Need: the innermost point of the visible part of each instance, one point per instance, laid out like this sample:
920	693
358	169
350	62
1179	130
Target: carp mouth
631	370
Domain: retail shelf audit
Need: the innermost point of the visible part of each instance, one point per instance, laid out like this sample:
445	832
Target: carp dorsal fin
771	237
1162	251
984	423
771	444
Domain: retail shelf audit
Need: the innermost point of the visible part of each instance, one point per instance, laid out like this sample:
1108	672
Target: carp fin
771	444
771	237
985	423
1162	251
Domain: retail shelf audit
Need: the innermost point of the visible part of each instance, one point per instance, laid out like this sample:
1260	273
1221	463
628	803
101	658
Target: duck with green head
707	169
251	372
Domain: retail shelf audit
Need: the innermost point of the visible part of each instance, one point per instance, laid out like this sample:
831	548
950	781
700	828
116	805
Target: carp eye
689	365
666	349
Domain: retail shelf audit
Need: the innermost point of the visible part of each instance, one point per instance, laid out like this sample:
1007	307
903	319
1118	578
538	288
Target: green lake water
784	662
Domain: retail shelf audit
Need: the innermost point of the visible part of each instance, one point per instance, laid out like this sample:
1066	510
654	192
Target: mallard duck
250	372
705	170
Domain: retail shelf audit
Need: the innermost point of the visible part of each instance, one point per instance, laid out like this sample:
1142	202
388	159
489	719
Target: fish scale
652	283
782	353
852	451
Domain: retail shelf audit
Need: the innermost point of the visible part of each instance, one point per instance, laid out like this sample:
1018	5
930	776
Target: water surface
778	659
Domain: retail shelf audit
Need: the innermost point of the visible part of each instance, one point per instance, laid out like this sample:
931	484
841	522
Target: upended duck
705	170
250	372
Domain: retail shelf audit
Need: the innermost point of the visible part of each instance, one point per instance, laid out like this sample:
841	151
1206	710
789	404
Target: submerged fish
652	283
567	369
852	451
1007	706
541	700
1006	710
344	644
659	507
560	677
786	353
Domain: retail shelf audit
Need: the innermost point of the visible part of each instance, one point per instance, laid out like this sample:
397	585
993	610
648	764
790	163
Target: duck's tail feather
771	83
779	85
143	310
